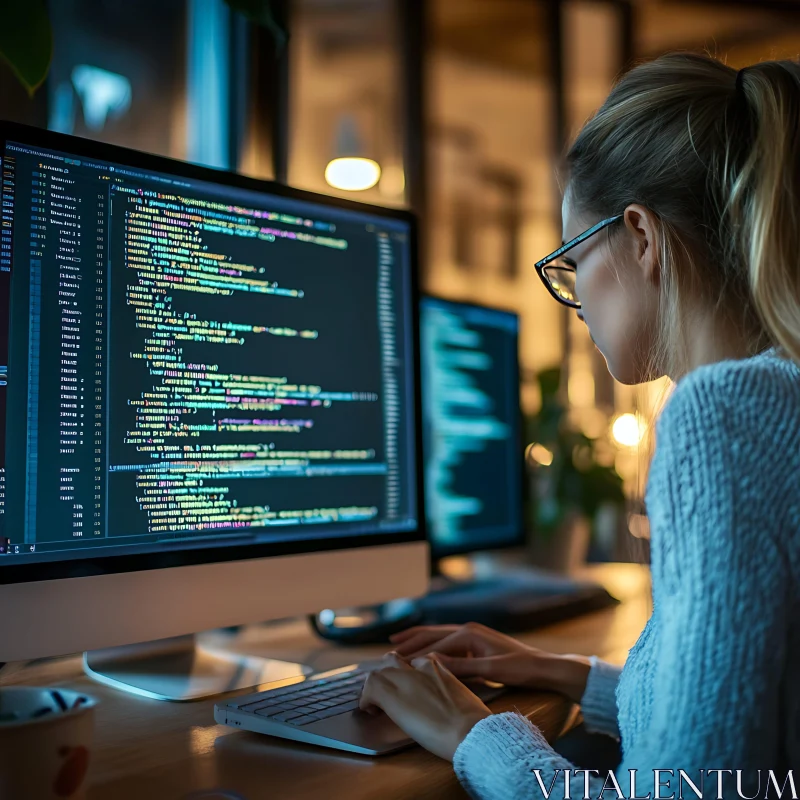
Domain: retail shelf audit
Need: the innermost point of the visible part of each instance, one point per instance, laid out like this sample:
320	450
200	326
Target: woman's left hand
426	700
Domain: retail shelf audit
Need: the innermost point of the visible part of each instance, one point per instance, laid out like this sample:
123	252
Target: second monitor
471	427
474	475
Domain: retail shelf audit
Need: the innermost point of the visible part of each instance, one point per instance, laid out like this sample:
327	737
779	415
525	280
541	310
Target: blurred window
119	73
163	76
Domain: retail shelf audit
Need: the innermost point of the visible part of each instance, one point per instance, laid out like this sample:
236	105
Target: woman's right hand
475	651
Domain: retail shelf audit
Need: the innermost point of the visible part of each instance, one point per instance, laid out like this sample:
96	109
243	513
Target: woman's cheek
592	311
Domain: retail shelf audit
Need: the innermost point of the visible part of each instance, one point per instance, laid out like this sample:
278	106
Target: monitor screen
471	427
193	361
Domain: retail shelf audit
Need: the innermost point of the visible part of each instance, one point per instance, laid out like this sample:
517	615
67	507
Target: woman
682	222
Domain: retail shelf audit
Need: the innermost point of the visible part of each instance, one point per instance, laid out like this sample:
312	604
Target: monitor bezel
438	552
11	573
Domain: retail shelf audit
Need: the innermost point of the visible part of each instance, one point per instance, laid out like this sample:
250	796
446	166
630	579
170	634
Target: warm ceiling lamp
352	173
350	170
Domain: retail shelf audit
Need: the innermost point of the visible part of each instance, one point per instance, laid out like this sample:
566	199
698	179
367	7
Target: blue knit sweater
713	683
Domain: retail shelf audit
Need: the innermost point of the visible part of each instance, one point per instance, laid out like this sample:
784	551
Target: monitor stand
183	668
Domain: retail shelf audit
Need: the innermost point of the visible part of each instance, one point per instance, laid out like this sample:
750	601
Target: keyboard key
283	716
271	708
315	707
336	710
270	711
262	703
282	691
305	720
331	712
343	709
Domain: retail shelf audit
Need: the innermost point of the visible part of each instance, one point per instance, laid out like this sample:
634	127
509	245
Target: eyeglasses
558	273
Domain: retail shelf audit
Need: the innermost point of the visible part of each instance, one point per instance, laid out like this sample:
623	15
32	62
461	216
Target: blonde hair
715	155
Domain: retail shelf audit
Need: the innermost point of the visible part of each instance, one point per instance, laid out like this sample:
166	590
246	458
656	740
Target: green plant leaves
26	41
576	480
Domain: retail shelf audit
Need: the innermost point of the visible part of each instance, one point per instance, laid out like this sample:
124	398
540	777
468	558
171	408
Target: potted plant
569	489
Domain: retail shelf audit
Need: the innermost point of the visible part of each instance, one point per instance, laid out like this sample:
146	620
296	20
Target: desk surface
171	751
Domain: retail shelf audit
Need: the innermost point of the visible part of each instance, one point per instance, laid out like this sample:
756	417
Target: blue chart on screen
470	389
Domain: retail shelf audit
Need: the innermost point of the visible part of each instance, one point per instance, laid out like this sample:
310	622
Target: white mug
45	743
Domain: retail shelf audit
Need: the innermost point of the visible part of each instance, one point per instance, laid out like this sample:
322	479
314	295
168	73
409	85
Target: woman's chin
622	372
630	375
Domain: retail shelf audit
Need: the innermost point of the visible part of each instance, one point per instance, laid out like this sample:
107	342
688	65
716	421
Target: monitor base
181	669
366	625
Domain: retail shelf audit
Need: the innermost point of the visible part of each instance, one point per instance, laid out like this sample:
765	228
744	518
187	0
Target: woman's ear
643	227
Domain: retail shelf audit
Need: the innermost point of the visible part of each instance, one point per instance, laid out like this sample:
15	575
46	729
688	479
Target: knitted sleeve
721	583
599	702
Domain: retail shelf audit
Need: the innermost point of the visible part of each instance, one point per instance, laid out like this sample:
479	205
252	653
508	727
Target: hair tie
739	86
741	112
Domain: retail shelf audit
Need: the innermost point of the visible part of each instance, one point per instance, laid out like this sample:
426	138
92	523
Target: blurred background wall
463	105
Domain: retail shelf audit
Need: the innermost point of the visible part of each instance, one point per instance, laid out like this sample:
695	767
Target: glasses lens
562	280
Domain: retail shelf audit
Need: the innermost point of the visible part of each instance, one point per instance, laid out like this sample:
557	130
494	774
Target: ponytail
765	199
715	154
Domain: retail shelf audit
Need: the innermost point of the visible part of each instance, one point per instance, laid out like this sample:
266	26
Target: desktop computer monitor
474	475
472	439
209	399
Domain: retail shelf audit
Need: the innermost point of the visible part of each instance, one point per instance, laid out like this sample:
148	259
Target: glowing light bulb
628	430
540	454
353	174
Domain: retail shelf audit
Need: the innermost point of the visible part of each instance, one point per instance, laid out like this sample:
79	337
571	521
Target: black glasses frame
540	265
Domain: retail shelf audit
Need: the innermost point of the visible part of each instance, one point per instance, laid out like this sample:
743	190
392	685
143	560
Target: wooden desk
150	750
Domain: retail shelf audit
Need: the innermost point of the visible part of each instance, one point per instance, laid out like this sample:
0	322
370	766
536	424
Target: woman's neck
708	339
